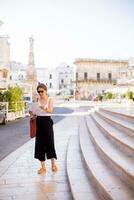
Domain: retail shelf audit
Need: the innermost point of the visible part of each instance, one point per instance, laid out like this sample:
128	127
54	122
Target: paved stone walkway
18	172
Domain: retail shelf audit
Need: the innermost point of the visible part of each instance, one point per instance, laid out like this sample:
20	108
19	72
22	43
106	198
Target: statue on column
31	70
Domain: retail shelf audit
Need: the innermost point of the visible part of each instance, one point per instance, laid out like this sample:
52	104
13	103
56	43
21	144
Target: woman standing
44	142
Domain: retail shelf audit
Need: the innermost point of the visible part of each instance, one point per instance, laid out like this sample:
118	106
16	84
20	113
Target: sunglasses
40	91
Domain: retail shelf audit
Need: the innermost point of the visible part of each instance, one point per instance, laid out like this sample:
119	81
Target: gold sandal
41	170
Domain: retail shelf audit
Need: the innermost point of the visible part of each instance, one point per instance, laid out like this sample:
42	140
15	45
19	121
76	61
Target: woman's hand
32	115
30	112
43	108
49	108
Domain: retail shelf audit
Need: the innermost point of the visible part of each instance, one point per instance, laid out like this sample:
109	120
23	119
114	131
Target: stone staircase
100	160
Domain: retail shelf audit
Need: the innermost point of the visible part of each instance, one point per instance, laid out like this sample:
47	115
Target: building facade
126	79
4	62
17	71
127	73
93	76
62	78
43	75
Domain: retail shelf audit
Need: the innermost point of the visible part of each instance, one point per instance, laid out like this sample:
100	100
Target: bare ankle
43	165
53	161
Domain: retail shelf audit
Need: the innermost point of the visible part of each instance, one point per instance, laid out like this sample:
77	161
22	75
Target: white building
59	79
127	73
43	75
17	71
126	80
4	61
62	78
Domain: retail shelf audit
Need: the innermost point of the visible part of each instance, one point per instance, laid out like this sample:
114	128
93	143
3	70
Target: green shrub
109	95
99	97
14	97
129	95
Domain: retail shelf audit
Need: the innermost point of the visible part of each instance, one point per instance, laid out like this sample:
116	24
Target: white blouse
37	110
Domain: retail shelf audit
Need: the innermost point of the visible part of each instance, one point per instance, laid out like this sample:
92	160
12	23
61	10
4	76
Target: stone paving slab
18	171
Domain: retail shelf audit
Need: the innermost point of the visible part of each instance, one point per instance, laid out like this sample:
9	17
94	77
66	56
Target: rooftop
77	60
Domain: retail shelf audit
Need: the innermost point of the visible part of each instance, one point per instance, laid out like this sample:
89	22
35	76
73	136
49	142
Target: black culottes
44	142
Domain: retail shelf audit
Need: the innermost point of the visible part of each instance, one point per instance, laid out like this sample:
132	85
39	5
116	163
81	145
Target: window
85	75
98	76
5	73
76	75
50	85
109	76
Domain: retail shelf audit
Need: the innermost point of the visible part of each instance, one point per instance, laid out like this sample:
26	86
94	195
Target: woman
44	143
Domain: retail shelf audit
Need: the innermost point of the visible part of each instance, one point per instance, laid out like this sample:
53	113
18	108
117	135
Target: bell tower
31	69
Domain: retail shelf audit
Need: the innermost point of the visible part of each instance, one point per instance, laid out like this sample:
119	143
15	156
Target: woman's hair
42	85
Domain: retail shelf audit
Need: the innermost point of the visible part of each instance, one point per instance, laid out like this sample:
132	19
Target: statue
31	54
31	40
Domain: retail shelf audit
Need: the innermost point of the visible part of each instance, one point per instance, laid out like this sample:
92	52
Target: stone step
77	173
121	124
121	163
121	113
107	183
121	140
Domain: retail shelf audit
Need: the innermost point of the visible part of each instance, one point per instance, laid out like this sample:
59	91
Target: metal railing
15	112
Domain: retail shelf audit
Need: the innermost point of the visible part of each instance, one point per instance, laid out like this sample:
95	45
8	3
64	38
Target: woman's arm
31	110
50	106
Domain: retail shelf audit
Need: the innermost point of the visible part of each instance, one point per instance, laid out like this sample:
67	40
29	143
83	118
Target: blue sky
67	29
